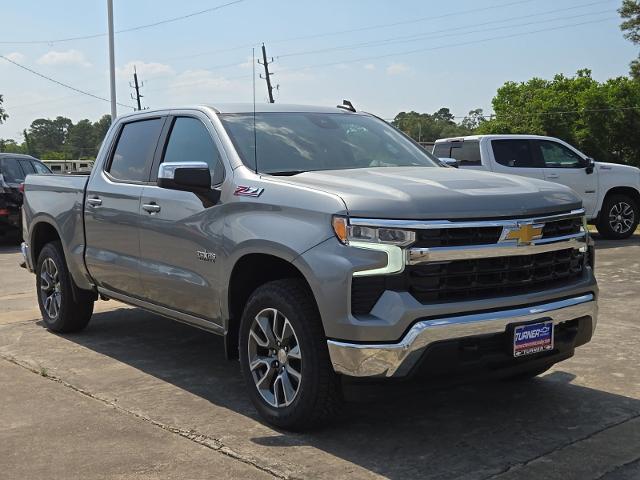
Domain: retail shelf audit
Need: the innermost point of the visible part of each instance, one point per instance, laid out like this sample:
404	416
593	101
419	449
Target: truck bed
58	200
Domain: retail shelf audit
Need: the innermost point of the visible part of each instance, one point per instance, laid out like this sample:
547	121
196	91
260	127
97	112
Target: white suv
610	192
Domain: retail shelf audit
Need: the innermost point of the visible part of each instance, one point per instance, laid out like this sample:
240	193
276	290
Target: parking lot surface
138	396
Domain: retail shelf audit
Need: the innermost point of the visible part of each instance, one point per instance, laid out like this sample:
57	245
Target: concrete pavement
167	386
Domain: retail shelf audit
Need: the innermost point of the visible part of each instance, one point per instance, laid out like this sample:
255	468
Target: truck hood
422	193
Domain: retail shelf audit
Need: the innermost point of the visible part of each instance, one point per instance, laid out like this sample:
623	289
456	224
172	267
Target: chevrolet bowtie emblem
523	234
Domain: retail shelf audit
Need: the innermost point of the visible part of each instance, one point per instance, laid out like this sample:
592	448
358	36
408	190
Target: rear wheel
284	357
60	311
618	218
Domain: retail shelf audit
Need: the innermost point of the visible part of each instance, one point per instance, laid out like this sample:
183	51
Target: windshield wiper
286	173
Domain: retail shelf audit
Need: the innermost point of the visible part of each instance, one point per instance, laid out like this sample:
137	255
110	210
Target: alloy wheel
275	359
50	288
621	217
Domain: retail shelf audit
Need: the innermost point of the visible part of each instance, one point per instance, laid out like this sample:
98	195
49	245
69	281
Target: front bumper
398	359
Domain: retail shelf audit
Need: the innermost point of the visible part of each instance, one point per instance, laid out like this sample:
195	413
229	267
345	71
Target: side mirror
449	162
591	165
192	177
187	176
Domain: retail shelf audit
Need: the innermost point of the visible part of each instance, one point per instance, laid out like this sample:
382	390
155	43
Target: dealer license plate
532	338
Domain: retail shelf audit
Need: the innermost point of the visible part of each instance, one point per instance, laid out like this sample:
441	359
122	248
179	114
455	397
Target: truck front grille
464	280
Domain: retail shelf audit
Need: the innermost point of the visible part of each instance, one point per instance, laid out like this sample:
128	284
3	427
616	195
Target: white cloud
69	57
201	79
144	69
15	56
369	66
397	69
247	64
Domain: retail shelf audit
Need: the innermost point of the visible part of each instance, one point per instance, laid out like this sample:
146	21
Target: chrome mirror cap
167	171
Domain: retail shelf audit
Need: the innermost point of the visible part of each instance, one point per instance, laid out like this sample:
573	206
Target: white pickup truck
610	192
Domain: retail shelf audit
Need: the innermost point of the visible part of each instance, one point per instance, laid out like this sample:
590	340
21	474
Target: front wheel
60	311
618	218
284	357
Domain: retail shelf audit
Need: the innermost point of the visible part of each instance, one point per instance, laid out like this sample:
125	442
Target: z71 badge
206	256
242	191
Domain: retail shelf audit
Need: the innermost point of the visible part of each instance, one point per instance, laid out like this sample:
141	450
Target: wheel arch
250	272
631	192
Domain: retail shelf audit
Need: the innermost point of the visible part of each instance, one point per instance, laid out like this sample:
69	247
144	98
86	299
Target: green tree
600	118
100	129
81	141
425	127
630	12
3	114
46	135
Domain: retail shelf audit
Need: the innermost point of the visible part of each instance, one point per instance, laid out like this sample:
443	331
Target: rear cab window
515	153
40	168
466	152
132	158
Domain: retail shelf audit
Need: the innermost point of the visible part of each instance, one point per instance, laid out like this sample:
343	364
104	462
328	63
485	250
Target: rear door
181	233
563	165
516	157
112	207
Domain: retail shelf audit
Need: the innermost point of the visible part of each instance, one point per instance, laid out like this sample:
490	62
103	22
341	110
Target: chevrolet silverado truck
610	192
322	244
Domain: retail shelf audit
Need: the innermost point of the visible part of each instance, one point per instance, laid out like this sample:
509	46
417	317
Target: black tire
613	206
529	374
64	314
318	397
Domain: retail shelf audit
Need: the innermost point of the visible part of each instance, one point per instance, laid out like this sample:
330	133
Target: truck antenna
255	141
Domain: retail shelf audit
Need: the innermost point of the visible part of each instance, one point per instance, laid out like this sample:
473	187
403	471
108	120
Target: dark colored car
13	170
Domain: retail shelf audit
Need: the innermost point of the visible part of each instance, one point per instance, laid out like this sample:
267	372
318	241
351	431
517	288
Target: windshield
290	143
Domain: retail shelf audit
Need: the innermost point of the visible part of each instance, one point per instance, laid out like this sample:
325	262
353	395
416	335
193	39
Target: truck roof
503	136
248	108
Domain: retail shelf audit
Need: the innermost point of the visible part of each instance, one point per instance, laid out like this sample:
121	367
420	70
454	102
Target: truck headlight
384	239
356	233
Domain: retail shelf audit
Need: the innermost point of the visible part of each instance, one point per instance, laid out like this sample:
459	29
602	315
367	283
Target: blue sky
385	56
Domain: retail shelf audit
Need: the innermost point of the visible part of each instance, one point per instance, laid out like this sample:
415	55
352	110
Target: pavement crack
192	435
513	466
617	468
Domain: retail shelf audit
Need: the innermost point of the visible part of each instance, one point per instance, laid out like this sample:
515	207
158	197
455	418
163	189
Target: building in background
69	166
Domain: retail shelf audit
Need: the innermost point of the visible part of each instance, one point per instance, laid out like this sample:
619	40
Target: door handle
94	202
151	207
552	175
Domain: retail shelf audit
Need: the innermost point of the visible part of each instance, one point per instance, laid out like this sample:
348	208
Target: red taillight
4	212
21	188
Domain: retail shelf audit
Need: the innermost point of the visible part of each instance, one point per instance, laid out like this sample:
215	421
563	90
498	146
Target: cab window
190	141
556	155
515	154
133	155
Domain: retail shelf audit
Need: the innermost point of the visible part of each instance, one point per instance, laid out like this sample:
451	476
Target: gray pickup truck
322	244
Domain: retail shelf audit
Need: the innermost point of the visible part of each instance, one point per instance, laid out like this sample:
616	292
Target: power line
53	80
440	47
131	29
447	32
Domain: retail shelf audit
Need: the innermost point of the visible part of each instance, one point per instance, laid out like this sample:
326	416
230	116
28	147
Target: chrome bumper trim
469	252
26	257
397	359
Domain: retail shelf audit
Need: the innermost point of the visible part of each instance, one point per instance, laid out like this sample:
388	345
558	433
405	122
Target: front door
563	165
112	208
180	233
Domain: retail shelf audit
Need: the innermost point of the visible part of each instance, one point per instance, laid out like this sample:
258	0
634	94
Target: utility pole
112	62
267	75
137	88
